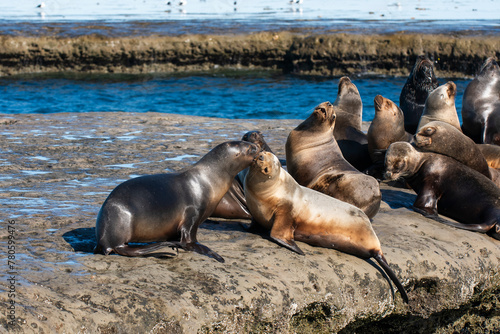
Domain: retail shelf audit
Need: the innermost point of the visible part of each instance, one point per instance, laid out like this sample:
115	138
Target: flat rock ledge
57	169
332	54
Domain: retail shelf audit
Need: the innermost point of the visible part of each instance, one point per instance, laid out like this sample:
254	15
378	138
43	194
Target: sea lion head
490	68
423	74
383	105
443	96
424	136
348	98
324	114
346	88
257	138
400	161
266	166
237	155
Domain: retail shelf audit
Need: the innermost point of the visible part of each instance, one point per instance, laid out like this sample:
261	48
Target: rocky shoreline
455	55
57	169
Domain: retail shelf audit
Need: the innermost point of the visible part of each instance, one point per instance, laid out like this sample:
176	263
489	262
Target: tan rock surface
57	169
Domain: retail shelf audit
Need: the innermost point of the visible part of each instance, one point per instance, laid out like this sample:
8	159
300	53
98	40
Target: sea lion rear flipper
282	232
380	258
127	250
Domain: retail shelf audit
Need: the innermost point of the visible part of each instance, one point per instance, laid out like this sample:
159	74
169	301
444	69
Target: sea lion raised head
386	128
440	106
417	88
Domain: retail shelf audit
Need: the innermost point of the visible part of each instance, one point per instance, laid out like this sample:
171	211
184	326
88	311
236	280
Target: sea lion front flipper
426	203
201	249
282	232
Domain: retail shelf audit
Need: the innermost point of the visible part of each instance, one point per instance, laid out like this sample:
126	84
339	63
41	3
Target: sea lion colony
328	159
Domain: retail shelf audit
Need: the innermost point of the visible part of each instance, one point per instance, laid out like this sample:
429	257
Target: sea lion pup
444	138
314	159
347	132
491	153
417	88
446	186
168	208
292	212
440	106
386	128
478	100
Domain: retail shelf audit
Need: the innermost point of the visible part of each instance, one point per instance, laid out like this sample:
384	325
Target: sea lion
386	128
417	88
314	159
233	204
440	106
479	100
168	208
445	186
491	153
293	212
351	139
349	112
491	131
444	138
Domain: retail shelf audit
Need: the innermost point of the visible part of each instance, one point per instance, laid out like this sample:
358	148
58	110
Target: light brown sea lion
314	159
386	128
491	153
349	112
168	208
351	139
440	106
233	204
480	105
292	212
417	88
445	186
444	138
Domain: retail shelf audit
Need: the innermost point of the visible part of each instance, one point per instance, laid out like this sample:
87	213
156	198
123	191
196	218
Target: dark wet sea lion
168	208
233	204
314	159
293	212
386	128
479	101
351	139
491	132
445	186
444	138
417	88
440	106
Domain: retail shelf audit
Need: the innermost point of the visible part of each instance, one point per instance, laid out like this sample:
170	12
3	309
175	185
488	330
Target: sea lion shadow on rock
398	199
81	239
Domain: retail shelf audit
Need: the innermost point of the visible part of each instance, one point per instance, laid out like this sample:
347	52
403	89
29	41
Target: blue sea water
222	94
258	95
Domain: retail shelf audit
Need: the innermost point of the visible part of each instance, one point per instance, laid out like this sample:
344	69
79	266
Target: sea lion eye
266	170
429	131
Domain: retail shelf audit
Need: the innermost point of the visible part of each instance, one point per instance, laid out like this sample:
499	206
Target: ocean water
242	95
222	94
